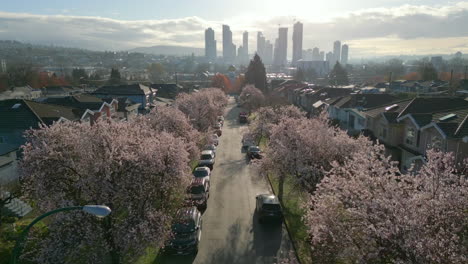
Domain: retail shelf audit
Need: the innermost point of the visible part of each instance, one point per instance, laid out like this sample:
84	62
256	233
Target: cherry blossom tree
265	118
251	98
366	211
171	120
203	107
141	175
304	149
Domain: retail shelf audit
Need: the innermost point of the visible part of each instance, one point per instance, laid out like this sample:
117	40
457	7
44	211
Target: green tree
310	75
427	71
299	76
114	77
157	72
256	74
78	75
338	76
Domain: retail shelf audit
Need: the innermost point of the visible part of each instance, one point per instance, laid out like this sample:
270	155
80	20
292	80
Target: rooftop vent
392	107
447	117
16	106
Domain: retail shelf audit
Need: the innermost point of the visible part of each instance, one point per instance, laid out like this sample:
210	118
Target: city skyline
370	32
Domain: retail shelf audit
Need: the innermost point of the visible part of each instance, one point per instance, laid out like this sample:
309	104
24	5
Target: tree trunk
114	253
280	187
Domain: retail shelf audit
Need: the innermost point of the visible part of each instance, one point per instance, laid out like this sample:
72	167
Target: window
436	142
383	132
410	136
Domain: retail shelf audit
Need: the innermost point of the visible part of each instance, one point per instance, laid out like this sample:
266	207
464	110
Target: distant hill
170	50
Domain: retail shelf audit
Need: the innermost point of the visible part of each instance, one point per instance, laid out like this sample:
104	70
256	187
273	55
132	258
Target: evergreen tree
428	72
78	75
256	74
338	76
114	77
299	76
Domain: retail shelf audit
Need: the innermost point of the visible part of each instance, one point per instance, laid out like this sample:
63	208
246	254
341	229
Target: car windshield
210	147
200	173
271	207
255	149
205	157
197	189
185	226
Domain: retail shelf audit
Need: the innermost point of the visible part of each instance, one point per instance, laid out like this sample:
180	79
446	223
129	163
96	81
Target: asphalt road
231	232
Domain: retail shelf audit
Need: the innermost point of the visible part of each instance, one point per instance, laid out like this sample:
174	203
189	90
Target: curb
286	224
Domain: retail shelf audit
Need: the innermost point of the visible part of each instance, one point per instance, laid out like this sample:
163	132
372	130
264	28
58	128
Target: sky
370	27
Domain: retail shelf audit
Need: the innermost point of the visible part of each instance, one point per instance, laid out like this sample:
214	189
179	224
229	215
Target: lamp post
97	210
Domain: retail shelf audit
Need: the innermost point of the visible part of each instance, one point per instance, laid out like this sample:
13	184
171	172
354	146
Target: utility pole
451	93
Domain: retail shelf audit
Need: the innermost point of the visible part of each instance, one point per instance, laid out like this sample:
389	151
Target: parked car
211	147
246	143
217	130
221	120
202	172
207	158
214	139
268	208
198	193
186	232
243	117
254	152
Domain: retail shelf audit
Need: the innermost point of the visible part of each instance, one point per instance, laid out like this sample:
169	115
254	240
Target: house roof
126	89
15	114
49	113
388	109
80	101
364	100
454	127
421	105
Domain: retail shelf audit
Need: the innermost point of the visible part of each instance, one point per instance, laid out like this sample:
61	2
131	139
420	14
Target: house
324	95
349	110
167	90
92	107
126	109
23	92
17	116
409	127
59	91
138	93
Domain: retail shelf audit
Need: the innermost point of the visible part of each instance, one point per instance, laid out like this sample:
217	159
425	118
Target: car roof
269	199
186	213
203	168
204	152
254	146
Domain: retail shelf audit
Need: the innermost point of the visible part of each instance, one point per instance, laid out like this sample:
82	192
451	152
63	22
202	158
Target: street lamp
97	210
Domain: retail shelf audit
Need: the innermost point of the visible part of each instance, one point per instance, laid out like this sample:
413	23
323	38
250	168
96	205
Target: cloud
408	28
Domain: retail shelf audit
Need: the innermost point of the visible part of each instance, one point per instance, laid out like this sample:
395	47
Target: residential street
231	233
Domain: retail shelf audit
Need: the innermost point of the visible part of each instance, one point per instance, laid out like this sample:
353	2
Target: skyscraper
322	55
316	54
336	52
229	49
330	57
245	42
260	44
268	53
281	48
210	45
297	42
344	54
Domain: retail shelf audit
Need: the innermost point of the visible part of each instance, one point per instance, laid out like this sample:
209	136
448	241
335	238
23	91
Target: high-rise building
297	42
245	42
268	56
260	44
330	57
281	48
336	51
3	66
344	54
210	45
322	56
307	55
316	54
229	49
